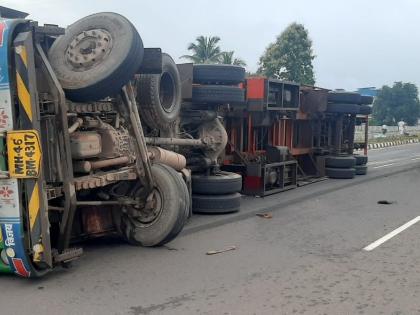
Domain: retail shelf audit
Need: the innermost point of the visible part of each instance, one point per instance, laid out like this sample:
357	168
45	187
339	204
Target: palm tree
204	50
226	57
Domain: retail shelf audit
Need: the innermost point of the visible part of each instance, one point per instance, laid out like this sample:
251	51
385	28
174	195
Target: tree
396	103
204	50
226	57
290	56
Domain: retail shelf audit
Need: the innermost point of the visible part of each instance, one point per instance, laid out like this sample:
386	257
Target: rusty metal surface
92	107
104	179
57	94
85	144
115	143
174	141
110	162
170	158
96	220
143	165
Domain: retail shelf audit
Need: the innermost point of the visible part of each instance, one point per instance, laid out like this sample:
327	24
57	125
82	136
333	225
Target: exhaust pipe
170	158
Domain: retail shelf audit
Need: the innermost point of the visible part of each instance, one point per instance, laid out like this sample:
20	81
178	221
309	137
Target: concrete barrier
390	144
376	132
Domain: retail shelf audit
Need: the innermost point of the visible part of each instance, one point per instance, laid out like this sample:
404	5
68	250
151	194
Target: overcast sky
358	43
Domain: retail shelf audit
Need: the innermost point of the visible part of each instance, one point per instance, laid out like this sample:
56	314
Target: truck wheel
361	159
185	196
365	110
159	95
340	173
216	204
218	94
218	74
361	169
96	56
166	218
340	161
343	108
217	184
344	97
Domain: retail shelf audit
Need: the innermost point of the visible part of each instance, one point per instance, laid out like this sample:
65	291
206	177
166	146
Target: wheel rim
149	216
167	92
88	49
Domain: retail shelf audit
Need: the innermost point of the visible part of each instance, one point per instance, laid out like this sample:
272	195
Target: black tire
343	108
365	110
115	65
340	173
218	74
344	97
218	94
216	204
361	169
185	196
366	100
172	215
159	95
340	161
361	159
217	184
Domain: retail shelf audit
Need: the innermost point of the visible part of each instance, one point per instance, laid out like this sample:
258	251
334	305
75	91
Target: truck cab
74	163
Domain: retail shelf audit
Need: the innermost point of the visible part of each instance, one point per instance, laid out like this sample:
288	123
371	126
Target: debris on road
170	248
385	202
265	215
214	252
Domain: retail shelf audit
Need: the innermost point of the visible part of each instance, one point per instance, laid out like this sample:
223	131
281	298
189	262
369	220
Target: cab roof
12	14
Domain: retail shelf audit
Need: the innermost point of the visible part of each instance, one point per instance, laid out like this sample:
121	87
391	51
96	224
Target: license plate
24	153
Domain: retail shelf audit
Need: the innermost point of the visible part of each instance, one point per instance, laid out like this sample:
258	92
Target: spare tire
96	56
159	95
218	94
340	173
344	97
340	161
216	204
343	108
218	74
365	110
219	183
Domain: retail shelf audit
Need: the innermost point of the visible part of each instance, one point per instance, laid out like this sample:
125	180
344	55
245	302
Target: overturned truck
74	159
100	136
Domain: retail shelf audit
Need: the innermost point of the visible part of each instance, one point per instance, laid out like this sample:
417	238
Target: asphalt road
309	258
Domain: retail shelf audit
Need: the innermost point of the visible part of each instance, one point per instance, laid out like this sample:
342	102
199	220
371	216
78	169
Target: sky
357	43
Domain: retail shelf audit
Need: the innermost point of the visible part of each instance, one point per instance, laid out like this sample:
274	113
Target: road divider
391	143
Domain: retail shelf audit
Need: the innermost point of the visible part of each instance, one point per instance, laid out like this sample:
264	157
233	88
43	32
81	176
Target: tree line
290	58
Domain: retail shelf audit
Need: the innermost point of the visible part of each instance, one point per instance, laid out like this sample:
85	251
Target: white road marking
391	234
386	161
386	165
415	158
